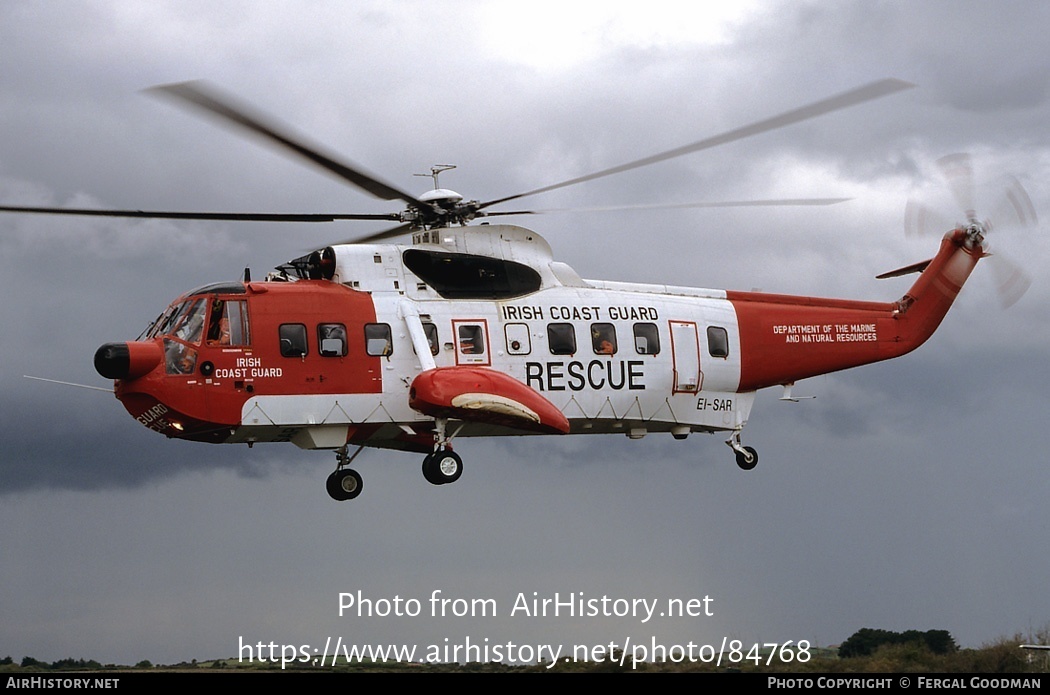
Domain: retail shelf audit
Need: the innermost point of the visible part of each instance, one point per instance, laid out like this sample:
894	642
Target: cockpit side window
228	323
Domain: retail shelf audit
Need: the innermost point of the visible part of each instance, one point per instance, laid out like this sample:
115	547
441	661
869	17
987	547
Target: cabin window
431	332
228	324
471	340
717	341
379	341
603	338
293	339
646	339
519	341
561	338
331	339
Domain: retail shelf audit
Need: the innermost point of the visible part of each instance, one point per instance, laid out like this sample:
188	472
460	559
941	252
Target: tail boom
786	338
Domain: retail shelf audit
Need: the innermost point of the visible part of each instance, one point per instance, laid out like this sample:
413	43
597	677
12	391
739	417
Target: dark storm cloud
102	144
898	477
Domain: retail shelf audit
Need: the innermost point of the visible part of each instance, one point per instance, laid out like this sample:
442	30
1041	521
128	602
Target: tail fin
921	310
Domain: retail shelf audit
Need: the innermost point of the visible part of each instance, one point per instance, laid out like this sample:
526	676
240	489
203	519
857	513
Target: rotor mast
444	201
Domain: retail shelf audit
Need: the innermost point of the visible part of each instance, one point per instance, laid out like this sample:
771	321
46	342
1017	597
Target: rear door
685	348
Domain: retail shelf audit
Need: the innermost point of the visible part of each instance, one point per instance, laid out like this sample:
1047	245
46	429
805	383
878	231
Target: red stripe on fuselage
207	404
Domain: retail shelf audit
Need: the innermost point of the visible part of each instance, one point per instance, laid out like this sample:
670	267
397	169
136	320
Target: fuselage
330	358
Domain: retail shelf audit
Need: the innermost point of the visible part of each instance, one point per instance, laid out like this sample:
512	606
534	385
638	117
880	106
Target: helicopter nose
127	360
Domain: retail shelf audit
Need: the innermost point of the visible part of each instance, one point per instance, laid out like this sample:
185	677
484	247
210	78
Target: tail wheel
747	459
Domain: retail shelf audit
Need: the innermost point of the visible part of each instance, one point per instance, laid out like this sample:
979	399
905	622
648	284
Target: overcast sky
907	495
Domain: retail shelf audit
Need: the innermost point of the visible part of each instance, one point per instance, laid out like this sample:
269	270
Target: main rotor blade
379	236
778	202
208	98
853	97
231	216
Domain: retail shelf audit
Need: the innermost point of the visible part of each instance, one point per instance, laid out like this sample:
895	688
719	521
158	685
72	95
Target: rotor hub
975	231
441	196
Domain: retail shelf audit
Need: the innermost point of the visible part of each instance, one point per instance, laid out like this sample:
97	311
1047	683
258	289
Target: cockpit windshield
227	320
184	320
190	323
182	327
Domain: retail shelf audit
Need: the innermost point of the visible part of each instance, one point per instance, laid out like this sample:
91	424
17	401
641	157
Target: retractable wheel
442	467
344	484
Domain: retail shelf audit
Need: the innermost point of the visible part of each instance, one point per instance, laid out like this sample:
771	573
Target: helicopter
474	329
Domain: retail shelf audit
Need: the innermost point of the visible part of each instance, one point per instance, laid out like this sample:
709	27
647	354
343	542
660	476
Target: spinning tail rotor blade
1010	280
1012	208
921	219
957	170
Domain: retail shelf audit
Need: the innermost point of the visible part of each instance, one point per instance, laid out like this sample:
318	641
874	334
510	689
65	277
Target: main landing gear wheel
442	467
344	484
747	459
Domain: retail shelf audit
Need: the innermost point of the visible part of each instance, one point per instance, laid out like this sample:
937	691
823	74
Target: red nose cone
127	360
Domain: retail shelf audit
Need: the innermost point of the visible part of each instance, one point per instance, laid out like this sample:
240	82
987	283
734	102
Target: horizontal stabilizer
906	270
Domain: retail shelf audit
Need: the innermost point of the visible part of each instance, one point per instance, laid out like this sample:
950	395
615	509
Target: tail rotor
1010	208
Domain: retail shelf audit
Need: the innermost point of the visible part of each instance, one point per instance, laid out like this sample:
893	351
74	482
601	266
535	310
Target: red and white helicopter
476	330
